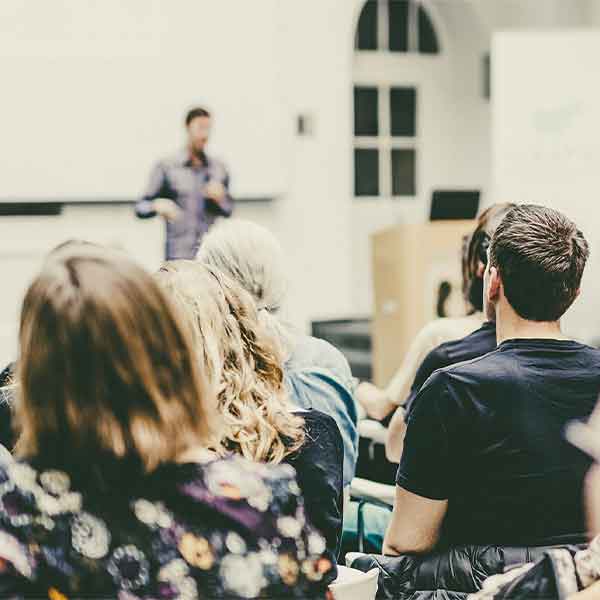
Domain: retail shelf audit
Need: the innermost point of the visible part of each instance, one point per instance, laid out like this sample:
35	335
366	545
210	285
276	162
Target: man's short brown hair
540	256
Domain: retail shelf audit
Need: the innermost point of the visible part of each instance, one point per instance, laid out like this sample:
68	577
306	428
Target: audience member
439	343
317	374
468	472
245	366
115	492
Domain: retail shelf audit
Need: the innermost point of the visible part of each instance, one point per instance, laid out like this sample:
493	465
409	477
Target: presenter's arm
157	187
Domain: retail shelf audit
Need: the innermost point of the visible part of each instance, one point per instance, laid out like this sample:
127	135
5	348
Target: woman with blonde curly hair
245	366
317	375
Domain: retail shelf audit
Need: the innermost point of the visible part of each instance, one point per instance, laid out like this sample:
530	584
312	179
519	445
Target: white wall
546	146
94	92
452	122
24	241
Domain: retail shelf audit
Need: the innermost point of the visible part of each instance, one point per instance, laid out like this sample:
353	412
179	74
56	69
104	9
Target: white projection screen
546	139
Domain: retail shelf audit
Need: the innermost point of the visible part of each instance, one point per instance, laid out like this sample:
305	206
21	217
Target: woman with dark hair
115	492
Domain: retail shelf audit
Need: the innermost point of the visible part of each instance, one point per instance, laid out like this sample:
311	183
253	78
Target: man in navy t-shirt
484	460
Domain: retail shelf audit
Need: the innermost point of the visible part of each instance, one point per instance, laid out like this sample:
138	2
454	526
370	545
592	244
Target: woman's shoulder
234	477
36	502
237	478
323	437
311	352
318	420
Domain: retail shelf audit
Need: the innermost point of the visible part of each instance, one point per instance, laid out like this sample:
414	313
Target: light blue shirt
318	377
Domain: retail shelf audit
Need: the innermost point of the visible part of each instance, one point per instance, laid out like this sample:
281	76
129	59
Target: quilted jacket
448	574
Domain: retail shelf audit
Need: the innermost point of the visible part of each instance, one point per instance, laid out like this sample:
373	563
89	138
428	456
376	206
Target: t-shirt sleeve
319	465
436	359
425	467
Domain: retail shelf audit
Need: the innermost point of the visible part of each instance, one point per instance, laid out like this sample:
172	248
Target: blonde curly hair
241	360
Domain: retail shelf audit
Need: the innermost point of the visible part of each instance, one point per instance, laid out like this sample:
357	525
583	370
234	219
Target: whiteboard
546	138
93	93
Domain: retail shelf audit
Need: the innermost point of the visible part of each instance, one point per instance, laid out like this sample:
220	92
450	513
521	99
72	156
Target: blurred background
347	126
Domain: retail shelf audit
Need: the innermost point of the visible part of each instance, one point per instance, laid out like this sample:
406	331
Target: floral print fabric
226	529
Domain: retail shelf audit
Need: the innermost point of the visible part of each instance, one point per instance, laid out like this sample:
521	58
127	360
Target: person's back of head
539	256
251	255
244	362
105	367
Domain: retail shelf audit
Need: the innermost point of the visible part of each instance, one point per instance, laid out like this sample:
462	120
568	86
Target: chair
352	584
365	491
370	492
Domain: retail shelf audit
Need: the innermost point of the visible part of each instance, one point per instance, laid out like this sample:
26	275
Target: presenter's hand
215	190
166	208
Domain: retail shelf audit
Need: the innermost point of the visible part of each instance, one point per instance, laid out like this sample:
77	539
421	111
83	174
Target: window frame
382	41
385	142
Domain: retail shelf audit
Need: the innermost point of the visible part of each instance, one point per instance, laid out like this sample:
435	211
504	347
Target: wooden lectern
410	263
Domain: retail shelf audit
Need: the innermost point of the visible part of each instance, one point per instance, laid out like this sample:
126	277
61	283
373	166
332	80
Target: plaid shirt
184	183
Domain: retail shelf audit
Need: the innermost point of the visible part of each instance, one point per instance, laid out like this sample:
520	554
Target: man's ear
495	284
577	292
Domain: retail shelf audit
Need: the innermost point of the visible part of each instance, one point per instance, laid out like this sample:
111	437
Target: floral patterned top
228	528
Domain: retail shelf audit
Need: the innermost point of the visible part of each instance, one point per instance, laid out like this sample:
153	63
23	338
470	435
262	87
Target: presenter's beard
199	154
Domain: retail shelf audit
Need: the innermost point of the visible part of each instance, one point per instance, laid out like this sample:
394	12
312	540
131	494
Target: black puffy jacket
445	575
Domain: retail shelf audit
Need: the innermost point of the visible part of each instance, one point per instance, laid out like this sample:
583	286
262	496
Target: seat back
352	584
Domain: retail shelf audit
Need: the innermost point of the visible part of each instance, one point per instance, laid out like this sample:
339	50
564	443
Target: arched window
386	111
397	26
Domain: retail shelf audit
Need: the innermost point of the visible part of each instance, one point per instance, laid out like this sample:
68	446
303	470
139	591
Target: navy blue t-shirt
487	435
478	343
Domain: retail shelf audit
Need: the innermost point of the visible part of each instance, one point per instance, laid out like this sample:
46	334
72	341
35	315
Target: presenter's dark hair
195	112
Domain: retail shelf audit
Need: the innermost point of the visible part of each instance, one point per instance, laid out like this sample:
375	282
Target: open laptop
454	205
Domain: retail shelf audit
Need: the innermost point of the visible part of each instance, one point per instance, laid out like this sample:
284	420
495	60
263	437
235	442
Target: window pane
366	33
366	116
428	42
487	76
366	172
403	109
403	172
398	25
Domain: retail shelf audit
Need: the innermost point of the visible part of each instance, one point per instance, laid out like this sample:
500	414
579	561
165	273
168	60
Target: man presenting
189	190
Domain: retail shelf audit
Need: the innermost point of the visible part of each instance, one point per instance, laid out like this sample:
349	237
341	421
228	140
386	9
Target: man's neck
510	326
